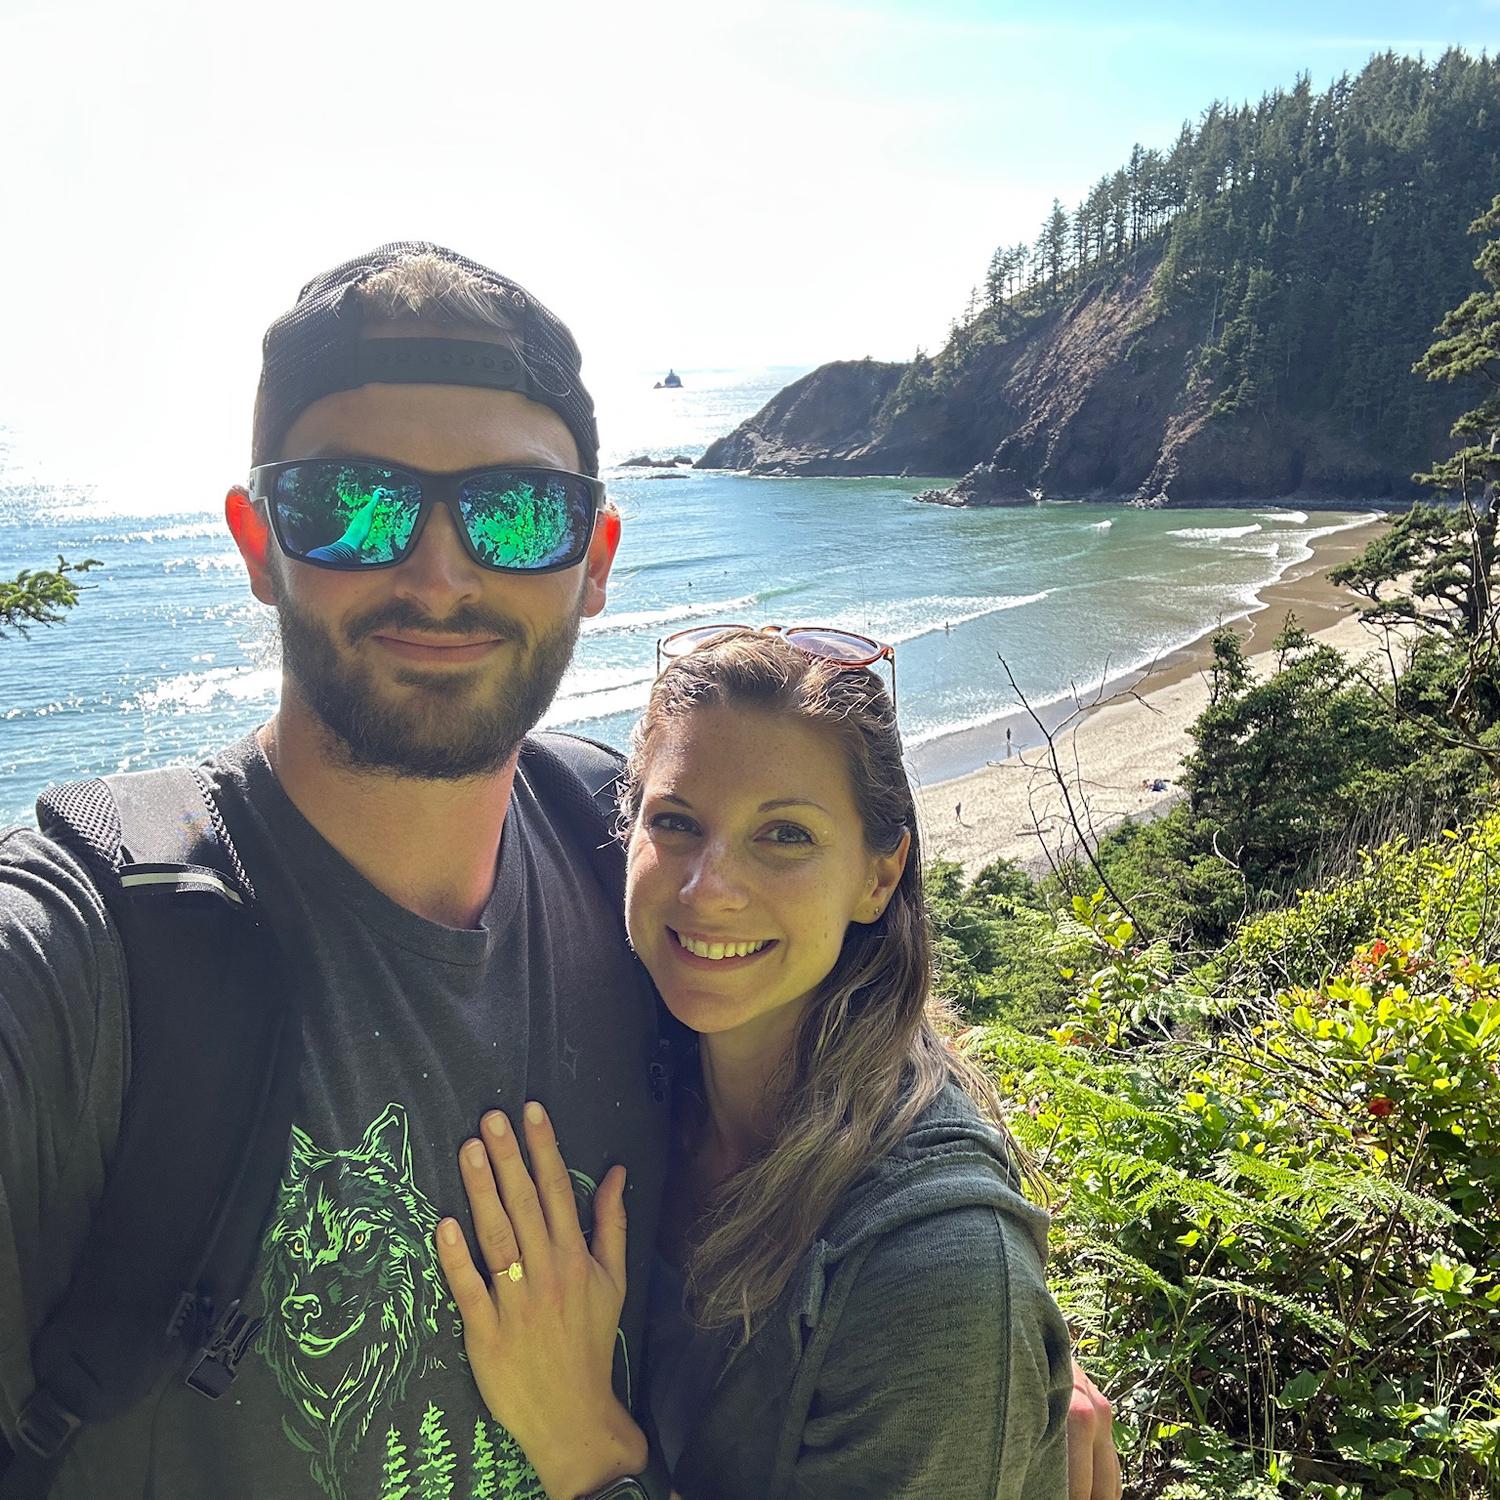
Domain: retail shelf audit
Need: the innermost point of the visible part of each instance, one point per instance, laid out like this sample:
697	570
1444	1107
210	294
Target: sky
724	183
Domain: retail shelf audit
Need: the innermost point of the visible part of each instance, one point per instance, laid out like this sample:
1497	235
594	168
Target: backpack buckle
216	1364
45	1425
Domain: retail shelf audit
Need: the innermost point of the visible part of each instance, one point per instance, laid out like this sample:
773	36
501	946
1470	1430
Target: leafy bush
998	951
1168	872
1280	1185
1289	777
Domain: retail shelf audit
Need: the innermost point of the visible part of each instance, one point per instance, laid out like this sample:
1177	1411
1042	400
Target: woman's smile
718	952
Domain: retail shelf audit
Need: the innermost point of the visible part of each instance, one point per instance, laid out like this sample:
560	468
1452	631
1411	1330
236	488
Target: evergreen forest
1319	236
1294	255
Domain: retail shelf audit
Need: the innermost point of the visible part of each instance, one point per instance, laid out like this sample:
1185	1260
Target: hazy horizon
766	184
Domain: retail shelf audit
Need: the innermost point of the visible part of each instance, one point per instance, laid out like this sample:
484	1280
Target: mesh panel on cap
309	351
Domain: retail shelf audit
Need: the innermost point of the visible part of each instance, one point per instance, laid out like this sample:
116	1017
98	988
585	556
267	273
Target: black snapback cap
318	348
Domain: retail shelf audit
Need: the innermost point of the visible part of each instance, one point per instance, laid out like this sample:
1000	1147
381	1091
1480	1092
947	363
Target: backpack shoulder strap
215	1054
580	780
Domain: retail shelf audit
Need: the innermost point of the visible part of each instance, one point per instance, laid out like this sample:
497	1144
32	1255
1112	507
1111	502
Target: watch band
627	1488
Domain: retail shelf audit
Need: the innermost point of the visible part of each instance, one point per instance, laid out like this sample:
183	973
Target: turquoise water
168	656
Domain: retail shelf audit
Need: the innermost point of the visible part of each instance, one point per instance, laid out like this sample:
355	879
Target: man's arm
63	1058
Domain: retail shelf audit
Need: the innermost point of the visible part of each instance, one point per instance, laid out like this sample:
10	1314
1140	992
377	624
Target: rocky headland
1098	398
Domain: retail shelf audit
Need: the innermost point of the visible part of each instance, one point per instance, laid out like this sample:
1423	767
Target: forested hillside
1235	314
1254	1043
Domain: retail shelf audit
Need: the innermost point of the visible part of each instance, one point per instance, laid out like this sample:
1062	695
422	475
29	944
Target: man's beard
444	728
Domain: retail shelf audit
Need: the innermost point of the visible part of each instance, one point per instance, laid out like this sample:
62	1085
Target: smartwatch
655	1483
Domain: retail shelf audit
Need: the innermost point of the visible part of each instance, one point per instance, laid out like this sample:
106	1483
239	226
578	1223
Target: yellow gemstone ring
514	1271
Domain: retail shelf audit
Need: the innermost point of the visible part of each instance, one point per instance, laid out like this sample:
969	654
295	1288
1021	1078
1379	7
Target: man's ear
252	535
603	545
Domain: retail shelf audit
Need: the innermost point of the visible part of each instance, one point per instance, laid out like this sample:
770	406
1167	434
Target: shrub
998	951
1169	874
1280	1190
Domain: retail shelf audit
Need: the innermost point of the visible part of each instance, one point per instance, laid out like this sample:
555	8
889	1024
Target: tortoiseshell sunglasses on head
843	647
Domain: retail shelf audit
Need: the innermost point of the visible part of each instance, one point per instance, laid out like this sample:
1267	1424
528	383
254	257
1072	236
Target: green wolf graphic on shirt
356	1308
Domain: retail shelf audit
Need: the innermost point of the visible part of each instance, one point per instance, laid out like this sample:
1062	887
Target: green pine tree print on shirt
357	1311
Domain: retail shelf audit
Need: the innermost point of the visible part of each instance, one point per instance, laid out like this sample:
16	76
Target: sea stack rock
817	425
984	484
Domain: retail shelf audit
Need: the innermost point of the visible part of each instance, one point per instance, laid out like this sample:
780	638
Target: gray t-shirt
357	1385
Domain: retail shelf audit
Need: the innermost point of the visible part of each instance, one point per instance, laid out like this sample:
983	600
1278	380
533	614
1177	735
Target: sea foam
1214	533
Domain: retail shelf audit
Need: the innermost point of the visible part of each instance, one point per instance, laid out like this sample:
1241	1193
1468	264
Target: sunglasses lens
690	640
527	520
836	645
353	514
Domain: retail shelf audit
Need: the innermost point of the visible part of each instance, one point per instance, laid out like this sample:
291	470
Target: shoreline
1132	732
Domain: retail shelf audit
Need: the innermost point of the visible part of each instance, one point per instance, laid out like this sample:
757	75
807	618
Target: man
425	523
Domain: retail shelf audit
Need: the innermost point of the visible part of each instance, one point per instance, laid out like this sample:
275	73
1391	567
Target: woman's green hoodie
915	1350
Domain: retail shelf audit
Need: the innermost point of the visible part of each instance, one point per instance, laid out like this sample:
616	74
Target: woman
850	1298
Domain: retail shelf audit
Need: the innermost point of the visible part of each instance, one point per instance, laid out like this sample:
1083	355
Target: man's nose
438	571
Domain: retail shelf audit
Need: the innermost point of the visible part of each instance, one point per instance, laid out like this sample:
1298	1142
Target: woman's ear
885	877
252	535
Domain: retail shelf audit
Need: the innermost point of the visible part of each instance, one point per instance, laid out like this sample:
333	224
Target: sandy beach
1136	734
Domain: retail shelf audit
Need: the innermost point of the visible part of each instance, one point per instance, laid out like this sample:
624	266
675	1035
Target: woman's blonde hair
869	1054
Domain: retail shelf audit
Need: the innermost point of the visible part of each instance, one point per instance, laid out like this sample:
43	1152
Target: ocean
167	656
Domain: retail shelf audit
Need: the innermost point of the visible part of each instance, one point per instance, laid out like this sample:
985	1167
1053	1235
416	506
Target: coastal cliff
1233	318
1098	399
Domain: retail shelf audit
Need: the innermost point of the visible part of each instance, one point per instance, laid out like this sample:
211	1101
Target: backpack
217	1043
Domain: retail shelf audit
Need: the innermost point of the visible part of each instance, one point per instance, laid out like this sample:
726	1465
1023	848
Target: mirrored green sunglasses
352	514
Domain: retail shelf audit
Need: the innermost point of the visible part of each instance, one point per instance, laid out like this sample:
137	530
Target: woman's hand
540	1328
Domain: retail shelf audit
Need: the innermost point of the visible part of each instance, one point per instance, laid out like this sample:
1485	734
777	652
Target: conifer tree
1280	765
995	278
484	1481
1470	345
395	1479
40	596
1020	257
435	1457
1446	555
1053	246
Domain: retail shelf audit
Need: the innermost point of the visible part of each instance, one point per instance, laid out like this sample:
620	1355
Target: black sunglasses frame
434	490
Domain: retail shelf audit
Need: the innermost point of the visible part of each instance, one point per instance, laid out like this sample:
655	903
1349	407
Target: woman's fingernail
448	1232
495	1124
474	1154
534	1113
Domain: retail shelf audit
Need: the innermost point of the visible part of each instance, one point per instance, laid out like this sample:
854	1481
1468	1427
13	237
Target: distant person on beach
451	949
849	1294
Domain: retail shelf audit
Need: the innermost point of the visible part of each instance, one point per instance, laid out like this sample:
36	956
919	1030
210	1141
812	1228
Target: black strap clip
45	1425
216	1364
